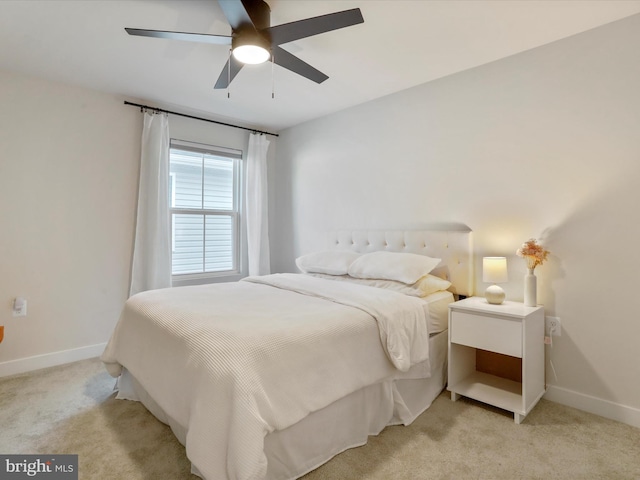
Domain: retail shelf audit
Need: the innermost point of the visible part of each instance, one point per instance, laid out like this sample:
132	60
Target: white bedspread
231	375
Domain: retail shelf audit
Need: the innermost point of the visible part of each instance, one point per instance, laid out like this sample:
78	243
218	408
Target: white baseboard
598	406
37	362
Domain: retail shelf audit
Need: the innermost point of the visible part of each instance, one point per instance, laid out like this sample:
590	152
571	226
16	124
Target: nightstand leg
454	396
518	418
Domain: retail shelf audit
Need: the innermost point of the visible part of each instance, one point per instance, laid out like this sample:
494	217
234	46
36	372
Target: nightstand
496	354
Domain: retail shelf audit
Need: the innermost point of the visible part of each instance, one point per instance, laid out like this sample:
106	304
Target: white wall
543	144
68	180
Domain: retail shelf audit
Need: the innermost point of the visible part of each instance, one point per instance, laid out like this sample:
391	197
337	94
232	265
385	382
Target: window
203	196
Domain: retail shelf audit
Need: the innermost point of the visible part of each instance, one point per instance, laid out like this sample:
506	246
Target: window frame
235	213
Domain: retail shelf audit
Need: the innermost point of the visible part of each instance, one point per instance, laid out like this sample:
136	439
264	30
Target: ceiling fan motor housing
248	36
256	34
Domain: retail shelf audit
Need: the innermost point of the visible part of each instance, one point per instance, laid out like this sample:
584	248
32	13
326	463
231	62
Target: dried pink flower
533	253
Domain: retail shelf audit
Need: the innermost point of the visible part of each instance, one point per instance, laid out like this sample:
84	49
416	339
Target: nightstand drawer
500	335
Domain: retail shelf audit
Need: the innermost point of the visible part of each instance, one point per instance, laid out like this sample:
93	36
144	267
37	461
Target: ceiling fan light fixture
251	54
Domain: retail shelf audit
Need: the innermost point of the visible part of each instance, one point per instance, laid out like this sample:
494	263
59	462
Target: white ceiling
401	44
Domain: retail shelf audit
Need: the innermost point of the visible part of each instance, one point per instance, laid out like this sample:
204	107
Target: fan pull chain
273	81
229	75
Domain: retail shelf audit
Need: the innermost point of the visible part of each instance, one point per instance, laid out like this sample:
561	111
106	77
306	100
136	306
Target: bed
297	367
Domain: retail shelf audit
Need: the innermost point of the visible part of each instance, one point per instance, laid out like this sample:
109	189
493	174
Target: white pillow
330	262
425	286
430	284
401	267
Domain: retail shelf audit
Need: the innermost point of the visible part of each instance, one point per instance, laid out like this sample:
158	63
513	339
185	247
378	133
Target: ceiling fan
253	40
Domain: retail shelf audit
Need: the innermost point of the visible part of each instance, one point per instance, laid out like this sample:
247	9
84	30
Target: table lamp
494	270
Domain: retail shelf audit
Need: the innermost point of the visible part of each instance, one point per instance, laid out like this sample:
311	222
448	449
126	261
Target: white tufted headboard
454	247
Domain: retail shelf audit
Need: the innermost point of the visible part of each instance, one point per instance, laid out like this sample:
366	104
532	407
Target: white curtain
151	267
256	201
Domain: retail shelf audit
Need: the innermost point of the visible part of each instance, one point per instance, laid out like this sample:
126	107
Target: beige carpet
71	409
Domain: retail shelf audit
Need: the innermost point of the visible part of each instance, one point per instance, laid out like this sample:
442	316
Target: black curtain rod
155	109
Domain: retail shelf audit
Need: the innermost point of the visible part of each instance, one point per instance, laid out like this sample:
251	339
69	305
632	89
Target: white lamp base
494	294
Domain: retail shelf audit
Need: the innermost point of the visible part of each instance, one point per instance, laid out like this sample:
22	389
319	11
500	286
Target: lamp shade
494	270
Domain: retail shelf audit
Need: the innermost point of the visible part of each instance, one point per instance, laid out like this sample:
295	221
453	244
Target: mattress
437	310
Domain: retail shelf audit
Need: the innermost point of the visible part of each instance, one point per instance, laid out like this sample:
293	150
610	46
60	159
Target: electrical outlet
19	307
553	326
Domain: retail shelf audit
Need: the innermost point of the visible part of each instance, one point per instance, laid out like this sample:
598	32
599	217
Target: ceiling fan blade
188	37
236	13
293	63
288	32
227	76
